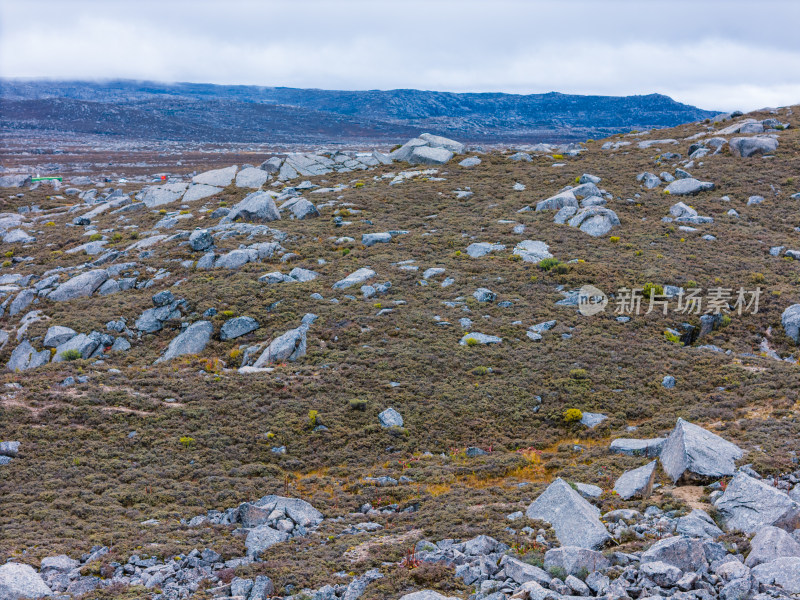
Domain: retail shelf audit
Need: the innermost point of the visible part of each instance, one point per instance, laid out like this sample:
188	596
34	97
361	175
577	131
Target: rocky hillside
213	113
542	372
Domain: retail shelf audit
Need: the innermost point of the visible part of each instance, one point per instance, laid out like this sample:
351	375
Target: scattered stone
683	187
390	418
237	327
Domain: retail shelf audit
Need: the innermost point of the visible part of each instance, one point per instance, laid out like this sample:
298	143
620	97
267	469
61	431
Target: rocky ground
382	374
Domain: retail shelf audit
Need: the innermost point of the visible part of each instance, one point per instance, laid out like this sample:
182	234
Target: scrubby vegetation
101	457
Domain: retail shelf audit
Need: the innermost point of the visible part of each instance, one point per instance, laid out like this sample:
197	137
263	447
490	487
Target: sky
715	54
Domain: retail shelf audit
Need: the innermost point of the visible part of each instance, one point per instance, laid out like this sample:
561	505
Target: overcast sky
721	54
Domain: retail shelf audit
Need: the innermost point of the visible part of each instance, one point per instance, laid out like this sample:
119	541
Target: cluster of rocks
62	343
688	560
427	149
581	206
265	522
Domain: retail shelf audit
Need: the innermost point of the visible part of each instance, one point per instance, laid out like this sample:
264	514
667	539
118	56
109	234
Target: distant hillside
214	113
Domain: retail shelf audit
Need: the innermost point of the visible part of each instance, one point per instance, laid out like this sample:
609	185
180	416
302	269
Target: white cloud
708	54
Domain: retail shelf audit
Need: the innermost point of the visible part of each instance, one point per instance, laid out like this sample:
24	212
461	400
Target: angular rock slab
633	447
574	520
575	559
692	452
355	278
532	251
790	320
21	581
784	572
636	483
217	177
683	552
79	286
771	543
749	505
263	537
192	341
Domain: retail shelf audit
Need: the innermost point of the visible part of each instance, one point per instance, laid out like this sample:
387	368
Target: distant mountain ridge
217	113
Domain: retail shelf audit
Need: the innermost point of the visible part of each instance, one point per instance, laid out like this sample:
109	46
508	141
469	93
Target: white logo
591	300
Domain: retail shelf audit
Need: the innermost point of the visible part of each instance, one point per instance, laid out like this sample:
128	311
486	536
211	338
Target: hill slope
121	452
204	112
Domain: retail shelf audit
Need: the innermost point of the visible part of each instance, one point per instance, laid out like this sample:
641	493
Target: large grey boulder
84	344
251	177
158	195
697	524
632	447
558	201
17	236
288	346
25	357
564	214
594	220
585	190
574	520
261	538
237	327
750	146
192	341
303	209
784	572
532	251
200	240
684	187
299	511
217	177
771	543
692	452
258	206
403	153
233	259
425	155
198	191
575	559
790	319
79	286
683	552
355	278
61	563
9	449
748	505
21	581
636	483
522	572
21	302
648	180
15	180
437	141
479	249
370	239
